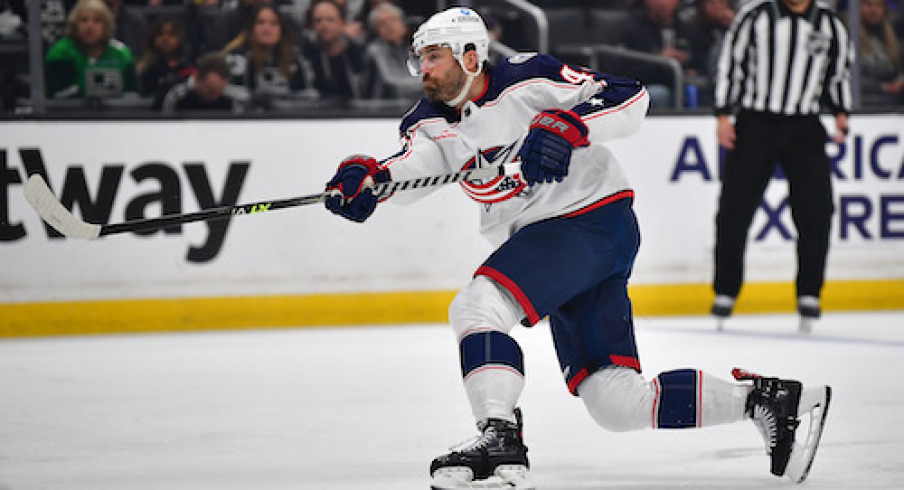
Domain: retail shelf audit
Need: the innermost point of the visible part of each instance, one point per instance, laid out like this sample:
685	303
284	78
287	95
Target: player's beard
445	90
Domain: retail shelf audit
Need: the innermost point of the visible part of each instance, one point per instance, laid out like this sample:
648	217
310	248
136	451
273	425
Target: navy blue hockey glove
546	152
350	192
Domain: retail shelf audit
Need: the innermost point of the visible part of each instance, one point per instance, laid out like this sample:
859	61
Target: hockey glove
350	191
546	152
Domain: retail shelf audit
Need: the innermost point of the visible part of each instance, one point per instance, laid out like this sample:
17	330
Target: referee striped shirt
776	61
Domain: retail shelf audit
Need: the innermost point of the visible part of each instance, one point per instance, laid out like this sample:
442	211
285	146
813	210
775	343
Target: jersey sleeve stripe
604	110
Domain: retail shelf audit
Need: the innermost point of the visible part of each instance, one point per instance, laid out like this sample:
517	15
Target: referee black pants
797	144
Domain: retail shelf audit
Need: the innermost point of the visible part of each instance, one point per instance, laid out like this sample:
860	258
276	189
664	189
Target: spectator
164	63
658	29
712	18
358	19
87	61
356	14
265	59
386	57
207	90
131	28
337	62
231	22
880	57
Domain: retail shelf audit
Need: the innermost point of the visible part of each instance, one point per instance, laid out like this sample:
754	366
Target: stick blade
41	198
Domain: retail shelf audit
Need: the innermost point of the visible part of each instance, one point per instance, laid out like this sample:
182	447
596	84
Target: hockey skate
722	308
776	407
496	459
808	307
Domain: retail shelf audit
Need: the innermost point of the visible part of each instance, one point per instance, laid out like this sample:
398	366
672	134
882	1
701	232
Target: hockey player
567	238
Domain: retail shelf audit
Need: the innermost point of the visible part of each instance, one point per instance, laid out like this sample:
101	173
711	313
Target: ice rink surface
367	408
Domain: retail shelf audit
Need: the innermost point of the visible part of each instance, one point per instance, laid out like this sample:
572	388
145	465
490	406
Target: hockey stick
41	198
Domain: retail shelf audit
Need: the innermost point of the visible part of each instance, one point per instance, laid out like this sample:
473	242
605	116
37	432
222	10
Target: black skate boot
722	308
773	406
778	407
497	457
808	307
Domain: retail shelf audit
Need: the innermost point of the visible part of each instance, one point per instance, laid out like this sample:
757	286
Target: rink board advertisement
114	171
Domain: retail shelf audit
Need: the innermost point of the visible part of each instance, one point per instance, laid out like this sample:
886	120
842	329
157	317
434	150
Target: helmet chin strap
467	87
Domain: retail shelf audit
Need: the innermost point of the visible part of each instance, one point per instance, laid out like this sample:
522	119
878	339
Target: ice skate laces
767	408
764	420
480	442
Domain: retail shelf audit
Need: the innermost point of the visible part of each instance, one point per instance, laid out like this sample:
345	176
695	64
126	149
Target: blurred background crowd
267	56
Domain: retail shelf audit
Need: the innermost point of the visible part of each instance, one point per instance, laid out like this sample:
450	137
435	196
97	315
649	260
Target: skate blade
508	477
806	325
814	402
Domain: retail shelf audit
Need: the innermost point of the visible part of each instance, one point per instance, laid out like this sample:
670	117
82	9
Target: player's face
441	74
90	27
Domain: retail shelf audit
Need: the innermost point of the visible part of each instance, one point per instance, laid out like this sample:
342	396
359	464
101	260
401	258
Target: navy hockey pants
575	270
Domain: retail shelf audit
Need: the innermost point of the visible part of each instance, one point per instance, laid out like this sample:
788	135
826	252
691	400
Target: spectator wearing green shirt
88	61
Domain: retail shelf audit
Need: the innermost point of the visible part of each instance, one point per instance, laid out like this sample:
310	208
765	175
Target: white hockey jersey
488	131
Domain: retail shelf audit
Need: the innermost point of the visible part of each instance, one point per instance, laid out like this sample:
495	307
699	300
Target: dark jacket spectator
656	28
165	62
336	61
207	90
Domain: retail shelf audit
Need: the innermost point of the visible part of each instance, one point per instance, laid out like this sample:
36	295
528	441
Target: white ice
369	407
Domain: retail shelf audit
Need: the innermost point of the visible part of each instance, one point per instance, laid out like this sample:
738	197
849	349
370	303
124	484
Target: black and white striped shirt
779	62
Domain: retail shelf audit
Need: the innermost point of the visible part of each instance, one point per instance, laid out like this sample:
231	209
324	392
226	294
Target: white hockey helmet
455	28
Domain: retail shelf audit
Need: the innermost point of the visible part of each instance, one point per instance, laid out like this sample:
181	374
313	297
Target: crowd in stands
234	55
262	55
692	34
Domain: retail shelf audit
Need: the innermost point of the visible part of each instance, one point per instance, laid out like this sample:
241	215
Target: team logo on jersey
496	189
817	43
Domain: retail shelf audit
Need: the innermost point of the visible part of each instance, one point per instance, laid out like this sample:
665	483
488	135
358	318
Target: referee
782	62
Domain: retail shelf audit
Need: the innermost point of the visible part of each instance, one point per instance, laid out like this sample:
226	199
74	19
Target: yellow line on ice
381	308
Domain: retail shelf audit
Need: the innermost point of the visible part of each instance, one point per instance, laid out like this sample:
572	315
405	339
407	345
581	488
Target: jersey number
573	76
